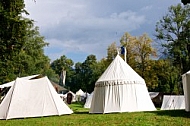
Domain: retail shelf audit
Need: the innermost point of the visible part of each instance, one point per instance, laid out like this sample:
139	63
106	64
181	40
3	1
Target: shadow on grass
81	112
172	113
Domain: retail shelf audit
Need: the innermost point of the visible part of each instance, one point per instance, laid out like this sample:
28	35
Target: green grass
81	117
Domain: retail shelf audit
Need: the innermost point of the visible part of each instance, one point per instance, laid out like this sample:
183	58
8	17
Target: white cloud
89	27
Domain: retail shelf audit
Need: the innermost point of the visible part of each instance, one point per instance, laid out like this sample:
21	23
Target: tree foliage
173	31
138	53
21	45
63	63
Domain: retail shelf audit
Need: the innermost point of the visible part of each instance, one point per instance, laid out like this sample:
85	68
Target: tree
12	35
127	41
185	1
143	51
173	32
167	76
21	45
138	51
63	63
111	52
87	73
138	55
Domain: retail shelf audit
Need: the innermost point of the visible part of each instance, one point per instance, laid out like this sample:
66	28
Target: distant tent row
32	98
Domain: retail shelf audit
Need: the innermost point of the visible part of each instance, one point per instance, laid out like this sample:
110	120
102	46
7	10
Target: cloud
91	34
89	27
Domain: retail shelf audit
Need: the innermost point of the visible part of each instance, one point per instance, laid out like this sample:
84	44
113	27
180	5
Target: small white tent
73	96
120	89
172	102
32	98
79	94
88	100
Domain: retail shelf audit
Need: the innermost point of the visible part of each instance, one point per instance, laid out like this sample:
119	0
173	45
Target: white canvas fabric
88	100
120	89
153	94
172	102
186	89
79	95
80	92
32	98
73	94
9	84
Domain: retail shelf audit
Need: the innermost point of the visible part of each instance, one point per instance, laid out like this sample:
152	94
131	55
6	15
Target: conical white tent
120	89
186	89
32	98
79	93
172	102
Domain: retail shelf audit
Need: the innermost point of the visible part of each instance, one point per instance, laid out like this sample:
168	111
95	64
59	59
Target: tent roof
79	92
60	88
9	84
119	72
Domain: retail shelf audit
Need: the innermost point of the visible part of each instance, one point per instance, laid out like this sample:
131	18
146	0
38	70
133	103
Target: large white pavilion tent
120	89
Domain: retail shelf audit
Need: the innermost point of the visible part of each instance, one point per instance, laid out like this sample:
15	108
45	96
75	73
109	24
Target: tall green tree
127	41
138	53
173	31
63	63
21	45
143	50
111	52
88	73
167	76
12	35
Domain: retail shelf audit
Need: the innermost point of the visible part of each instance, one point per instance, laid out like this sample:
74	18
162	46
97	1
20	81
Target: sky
79	28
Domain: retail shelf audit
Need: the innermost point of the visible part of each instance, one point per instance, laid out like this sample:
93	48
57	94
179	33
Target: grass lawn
81	117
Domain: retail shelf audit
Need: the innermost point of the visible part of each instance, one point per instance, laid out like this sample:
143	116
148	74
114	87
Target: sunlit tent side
173	102
88	100
186	89
79	94
120	89
32	98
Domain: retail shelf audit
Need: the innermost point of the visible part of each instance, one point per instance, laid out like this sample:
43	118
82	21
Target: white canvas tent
73	94
186	89
172	102
9	84
32	98
120	89
88	100
79	94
